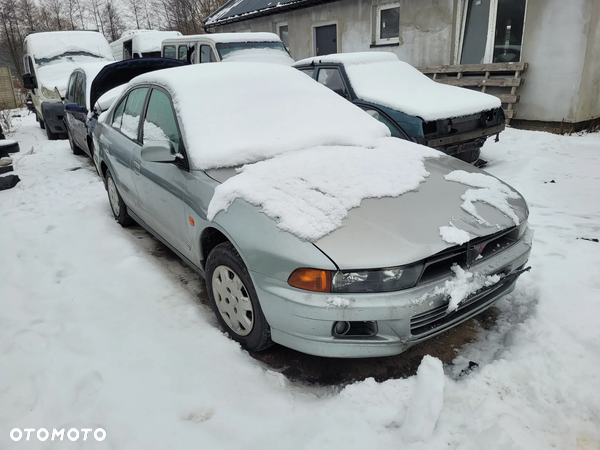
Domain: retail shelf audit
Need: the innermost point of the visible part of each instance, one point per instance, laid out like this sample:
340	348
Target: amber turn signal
315	280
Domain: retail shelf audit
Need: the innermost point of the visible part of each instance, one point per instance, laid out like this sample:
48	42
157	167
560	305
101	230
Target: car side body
458	132
156	155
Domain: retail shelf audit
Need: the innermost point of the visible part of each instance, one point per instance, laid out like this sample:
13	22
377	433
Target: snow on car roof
152	40
54	43
234	37
381	78
240	113
268	55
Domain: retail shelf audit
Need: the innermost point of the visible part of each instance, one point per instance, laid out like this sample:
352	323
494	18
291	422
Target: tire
41	122
234	300
117	205
74	148
51	136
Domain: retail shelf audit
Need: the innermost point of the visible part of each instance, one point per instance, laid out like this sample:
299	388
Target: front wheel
234	300
117	205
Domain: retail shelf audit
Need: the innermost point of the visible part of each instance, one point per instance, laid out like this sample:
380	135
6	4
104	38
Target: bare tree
113	22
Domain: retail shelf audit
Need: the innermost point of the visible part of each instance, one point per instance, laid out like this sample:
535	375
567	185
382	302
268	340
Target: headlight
381	280
50	93
356	281
522	229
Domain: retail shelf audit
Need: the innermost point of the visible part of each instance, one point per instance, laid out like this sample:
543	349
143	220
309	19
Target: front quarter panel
264	248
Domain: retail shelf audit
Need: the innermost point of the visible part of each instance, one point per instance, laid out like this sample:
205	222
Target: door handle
136	167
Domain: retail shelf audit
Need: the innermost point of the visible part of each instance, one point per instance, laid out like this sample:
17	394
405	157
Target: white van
140	44
215	47
49	58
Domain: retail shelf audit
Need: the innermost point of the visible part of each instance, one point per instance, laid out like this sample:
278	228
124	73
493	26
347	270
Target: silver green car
312	227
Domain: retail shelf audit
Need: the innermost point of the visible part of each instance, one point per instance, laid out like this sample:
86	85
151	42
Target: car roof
227	37
348	58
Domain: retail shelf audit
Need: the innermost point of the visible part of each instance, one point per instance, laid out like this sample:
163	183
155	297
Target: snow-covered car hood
438	202
381	78
386	232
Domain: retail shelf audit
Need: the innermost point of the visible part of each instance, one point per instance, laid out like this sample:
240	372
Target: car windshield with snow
454	120
312	226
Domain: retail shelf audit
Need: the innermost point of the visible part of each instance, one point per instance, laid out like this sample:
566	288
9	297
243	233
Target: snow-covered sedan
312	226
451	119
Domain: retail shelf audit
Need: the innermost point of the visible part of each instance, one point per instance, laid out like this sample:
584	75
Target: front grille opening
439	267
344	329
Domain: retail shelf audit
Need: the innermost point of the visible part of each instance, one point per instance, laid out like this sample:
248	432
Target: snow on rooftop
381	78
239	113
54	43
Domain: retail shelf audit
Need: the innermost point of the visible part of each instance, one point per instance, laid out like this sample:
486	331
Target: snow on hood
57	73
380	78
267	55
239	113
54	43
309	192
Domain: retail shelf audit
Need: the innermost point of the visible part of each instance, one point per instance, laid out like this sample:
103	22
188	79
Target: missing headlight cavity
344	329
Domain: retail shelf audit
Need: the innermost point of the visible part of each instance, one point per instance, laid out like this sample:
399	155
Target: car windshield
70	56
227	48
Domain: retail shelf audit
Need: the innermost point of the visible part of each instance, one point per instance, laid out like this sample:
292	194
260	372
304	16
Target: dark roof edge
263	12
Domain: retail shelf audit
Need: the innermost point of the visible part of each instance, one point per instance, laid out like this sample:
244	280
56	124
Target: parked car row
315	225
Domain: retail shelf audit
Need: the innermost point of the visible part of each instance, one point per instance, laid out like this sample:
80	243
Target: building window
492	31
388	23
282	31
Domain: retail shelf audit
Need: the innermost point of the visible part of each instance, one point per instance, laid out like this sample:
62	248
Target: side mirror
29	81
158	151
75	108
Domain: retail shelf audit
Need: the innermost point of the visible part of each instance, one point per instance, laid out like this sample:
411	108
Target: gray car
312	227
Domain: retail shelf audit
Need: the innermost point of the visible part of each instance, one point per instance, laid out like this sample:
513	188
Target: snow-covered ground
96	332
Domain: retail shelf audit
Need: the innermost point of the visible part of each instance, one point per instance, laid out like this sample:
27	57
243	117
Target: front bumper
304	320
53	114
465	137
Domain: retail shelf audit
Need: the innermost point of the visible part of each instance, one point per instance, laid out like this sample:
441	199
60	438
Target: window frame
125	98
380	8
279	26
461	21
182	163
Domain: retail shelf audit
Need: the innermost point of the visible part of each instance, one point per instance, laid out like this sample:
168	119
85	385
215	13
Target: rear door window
182	52
169	52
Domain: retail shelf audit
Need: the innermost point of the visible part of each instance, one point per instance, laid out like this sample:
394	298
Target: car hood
386	232
121	72
392	231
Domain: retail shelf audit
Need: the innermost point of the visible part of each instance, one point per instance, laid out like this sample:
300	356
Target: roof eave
265	12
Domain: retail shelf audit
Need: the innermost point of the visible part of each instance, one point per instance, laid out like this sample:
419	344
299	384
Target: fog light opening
354	329
341	328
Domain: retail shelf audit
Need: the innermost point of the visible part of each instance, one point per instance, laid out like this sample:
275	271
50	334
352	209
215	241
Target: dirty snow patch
309	192
490	190
453	235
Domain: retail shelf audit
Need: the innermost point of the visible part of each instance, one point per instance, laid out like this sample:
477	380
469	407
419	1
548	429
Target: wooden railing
506	76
